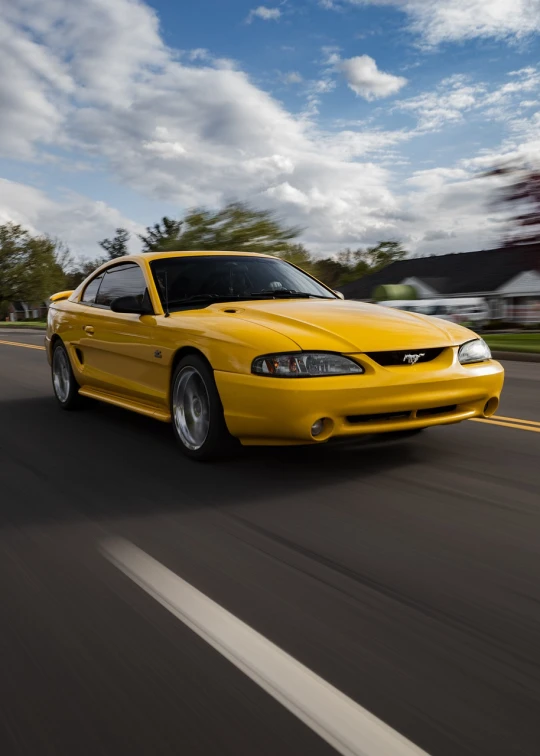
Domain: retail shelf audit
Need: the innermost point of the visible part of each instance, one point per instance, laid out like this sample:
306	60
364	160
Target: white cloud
76	220
448	103
521	147
457	98
445	210
162	146
199	53
34	88
440	21
364	78
99	84
292	77
266	14
182	133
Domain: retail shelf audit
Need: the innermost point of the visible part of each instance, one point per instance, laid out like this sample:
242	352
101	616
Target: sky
357	120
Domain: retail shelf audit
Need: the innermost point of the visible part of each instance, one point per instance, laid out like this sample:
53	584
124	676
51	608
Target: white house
508	278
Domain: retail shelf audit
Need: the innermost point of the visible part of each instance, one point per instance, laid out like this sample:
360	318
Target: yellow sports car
232	346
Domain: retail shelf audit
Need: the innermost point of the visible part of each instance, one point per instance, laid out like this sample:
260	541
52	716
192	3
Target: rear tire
65	386
197	412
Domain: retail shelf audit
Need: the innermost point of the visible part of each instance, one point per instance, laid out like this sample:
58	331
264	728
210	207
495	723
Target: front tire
197	412
65	386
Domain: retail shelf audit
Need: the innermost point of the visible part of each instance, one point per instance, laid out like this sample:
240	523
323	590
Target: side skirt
129	404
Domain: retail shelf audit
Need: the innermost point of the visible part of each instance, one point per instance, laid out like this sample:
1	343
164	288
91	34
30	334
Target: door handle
89	329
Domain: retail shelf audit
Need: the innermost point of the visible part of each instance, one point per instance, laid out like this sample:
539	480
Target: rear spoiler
61	295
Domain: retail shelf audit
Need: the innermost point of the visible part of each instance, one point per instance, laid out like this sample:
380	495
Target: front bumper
280	411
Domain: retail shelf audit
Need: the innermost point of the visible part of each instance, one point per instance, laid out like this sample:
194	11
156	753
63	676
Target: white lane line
349	728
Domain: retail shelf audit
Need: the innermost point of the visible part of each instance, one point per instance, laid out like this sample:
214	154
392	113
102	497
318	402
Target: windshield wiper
202	298
287	293
265	293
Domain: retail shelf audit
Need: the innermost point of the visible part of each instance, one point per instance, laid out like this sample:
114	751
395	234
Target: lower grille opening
402	415
436	410
405	415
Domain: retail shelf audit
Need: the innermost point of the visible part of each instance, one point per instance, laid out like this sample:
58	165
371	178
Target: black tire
197	416
65	387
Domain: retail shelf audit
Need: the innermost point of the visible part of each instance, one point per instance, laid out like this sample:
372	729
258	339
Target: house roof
458	273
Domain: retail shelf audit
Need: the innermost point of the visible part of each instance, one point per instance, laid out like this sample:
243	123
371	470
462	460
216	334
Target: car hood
349	326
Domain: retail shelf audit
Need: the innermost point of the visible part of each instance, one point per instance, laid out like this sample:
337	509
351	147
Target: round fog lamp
317	427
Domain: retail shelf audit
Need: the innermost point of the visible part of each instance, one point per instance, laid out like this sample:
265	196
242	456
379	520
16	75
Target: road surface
406	576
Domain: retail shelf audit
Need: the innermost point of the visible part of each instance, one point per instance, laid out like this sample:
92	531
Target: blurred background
391	148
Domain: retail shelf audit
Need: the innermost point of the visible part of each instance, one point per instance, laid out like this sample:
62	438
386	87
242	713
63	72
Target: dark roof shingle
458	273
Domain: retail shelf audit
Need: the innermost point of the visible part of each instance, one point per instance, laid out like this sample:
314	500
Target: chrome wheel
191	408
61	374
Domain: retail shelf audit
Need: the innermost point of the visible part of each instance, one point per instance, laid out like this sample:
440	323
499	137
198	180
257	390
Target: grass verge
41	325
514	342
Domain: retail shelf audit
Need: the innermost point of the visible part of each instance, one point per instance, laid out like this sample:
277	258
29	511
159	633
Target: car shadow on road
107	462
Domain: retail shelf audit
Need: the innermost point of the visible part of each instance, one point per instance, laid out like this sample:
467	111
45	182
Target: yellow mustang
234	346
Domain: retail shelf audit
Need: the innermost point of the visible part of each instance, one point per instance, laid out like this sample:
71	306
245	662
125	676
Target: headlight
304	365
474	351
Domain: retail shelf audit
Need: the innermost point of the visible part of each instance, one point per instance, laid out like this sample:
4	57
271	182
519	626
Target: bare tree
521	197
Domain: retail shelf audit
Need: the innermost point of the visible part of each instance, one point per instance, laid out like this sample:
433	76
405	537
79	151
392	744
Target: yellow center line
19	344
517	420
517	426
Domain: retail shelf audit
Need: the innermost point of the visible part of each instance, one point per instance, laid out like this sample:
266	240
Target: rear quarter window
91	290
121	281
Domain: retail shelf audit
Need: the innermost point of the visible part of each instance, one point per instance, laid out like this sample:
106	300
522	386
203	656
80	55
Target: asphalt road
406	575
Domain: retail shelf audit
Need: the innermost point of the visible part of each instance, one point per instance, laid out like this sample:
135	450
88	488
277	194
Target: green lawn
514	342
24	324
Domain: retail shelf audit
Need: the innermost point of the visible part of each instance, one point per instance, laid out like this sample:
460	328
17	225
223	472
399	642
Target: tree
363	262
521	197
30	266
348	265
330	271
117	246
237	227
163	235
77	272
378	257
298	255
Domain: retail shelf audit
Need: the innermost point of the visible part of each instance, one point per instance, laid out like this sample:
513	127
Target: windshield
200	280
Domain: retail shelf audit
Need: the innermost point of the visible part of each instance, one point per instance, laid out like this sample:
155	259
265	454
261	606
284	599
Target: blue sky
359	120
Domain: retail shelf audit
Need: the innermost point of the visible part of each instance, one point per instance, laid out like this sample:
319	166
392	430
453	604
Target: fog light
317	427
491	406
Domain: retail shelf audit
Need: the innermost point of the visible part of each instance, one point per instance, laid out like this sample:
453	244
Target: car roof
193	253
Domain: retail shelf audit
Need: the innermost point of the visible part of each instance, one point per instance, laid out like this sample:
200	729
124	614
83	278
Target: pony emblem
412	359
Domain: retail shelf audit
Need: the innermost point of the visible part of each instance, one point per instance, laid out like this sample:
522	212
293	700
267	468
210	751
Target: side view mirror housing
339	294
132	305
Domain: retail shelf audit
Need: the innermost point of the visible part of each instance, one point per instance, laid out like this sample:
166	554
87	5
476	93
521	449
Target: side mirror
131	305
339	294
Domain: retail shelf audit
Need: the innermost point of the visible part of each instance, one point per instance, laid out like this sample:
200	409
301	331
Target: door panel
122	356
119	350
